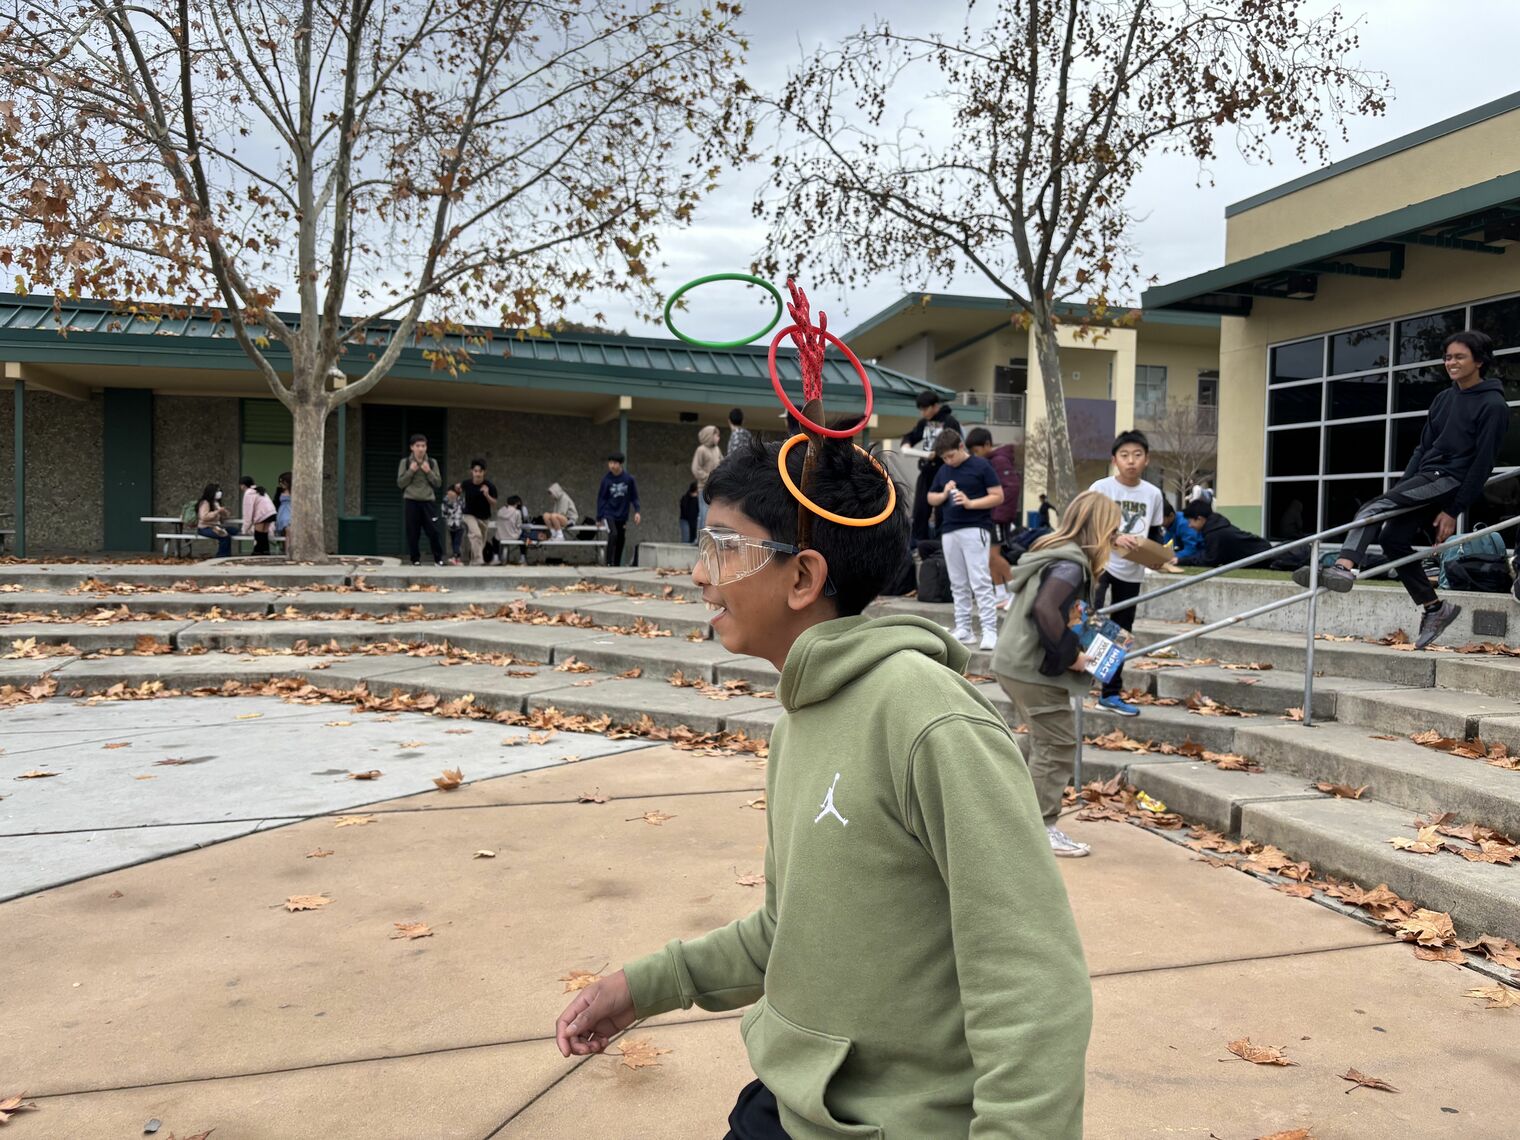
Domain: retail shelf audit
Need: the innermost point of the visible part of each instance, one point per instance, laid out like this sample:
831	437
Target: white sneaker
989	640
964	636
1000	596
556	536
1064	846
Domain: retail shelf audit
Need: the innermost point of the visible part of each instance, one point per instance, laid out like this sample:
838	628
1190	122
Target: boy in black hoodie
934	417
1446	475
1223	541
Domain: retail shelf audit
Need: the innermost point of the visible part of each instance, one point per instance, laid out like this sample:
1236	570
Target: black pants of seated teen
755	1116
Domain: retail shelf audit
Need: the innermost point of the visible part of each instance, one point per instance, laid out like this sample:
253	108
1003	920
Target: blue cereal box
1103	641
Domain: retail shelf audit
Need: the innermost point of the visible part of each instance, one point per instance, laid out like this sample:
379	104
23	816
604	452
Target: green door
386	429
127	462
265	452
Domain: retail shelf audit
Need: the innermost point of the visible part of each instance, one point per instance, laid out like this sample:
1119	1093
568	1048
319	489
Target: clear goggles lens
728	556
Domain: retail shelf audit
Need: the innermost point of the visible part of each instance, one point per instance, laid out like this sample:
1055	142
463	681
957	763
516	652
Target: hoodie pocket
797	1065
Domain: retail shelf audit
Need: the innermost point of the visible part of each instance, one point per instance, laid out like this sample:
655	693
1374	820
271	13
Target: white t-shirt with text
1139	510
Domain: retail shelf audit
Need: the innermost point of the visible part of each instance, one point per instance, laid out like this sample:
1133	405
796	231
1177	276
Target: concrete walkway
182	989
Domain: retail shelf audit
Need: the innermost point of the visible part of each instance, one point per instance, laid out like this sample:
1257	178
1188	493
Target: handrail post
1309	625
1076	763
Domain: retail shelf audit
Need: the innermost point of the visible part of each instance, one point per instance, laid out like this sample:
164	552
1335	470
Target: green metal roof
88	331
1490	210
964	301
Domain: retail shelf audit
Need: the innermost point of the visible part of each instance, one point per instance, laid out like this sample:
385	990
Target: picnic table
179	539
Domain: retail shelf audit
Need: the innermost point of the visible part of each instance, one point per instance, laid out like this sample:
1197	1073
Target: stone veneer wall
63	470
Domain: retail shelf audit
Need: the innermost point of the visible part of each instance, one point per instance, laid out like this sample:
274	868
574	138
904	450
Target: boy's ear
810	573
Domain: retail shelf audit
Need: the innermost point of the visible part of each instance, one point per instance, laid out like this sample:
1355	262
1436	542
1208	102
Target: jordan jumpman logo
828	804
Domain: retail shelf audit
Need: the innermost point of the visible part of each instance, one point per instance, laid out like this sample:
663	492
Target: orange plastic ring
886	513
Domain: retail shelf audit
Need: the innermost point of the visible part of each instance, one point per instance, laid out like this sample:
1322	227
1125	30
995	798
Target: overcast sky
1442	58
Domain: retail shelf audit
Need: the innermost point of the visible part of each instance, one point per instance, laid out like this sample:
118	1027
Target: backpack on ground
1476	560
934	581
1006	465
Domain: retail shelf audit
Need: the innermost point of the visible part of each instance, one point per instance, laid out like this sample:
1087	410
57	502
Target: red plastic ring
818	429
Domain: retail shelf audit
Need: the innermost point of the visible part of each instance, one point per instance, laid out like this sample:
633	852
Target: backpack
190	514
1475	556
934	581
1012	482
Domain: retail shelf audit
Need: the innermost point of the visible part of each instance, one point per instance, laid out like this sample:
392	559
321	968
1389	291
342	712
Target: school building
1336	291
111	417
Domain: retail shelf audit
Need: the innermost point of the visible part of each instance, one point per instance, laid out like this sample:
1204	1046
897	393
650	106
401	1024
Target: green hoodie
1019	653
915	969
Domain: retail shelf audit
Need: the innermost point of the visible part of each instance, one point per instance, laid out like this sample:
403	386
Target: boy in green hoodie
915	970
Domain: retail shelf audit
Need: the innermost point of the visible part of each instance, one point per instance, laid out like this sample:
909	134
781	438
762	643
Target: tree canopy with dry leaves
345	179
1005	147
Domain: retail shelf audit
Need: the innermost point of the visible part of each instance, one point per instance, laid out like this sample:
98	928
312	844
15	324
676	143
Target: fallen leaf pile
1473	841
722	691
1496	997
1208	706
1118	741
1496	754
1116	801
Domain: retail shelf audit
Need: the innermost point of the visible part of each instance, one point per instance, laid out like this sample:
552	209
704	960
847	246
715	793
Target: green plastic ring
747	279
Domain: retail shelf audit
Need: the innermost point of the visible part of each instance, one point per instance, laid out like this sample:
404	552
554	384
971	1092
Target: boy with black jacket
1445	476
933	418
1223	542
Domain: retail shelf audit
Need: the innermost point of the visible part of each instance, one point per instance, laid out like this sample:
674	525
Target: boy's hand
1079	665
1172	567
1446	526
1127	541
638	519
601	1010
414	465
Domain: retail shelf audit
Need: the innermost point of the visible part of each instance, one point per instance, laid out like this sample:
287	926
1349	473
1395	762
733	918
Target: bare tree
1039	459
1184	444
1006	149
422	161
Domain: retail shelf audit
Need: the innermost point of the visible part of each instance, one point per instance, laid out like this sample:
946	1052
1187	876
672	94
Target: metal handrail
1310	595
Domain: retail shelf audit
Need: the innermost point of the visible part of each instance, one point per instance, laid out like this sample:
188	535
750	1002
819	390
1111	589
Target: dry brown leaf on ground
36	774
1192	618
1278	861
412	930
542	737
631	674
1361	1080
451	779
248	716
306	902
338	724
1427	927
1208	706
1294	713
1258	1054
354	820
1290	1134
458	731
753	880
319	853
1342	791
594	797
370	774
577	980
11	1105
1295	890
1231	762
640	1053
757	804
1440	954
1500	951
117	744
572	664
1426	842
656	818
147	645
483	853
1490	851
1383	736
1497	997
413	744
1251	666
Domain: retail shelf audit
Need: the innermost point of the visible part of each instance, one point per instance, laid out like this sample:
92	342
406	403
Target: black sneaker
1433	623
1336	578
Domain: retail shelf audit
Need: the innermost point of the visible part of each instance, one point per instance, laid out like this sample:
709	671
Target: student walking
246	506
451	515
966	489
933	418
687	510
479	506
704	460
1139	505
1043	512
211	519
738	435
1444	477
1038	660
924	977
259	518
419	478
616	498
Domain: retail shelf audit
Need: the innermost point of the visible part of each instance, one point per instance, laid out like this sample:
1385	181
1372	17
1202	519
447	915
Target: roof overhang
1481	220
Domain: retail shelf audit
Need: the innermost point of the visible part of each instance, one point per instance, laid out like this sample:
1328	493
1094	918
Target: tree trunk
307	541
1062	485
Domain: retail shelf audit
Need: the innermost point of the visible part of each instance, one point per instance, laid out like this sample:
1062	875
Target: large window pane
1507	369
1344	497
1417	389
1358	396
1500	320
1355	448
1406	437
1419	338
1359	350
1292	509
1296	405
1293	452
1302	361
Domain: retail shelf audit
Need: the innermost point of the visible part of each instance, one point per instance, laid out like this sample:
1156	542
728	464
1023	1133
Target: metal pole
20	457
1076	761
1309	625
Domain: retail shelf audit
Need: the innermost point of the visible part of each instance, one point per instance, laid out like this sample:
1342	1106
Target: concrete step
92	638
1454	713
1285	651
1269	692
1494	676
1155	723
1399	772
1204	794
1349	839
673	555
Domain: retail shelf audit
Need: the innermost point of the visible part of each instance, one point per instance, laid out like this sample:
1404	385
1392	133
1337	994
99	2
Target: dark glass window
1417	389
1499	502
1406	437
1358	396
1293	452
1500	320
1419	338
1296	405
1302	361
1344	497
1355	448
1359	350
1292	510
1507	369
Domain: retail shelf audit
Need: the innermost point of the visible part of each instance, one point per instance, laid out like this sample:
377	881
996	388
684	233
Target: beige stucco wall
1433	279
1463	158
1182	362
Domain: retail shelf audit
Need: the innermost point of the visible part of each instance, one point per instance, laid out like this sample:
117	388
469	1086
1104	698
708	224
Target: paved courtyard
155	970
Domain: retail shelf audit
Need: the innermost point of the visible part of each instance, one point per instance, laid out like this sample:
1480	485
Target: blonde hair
1091	521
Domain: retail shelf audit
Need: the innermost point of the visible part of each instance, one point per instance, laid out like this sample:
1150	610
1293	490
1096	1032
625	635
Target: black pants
922	512
1432	493
261	542
1112	589
422	517
617	539
755	1116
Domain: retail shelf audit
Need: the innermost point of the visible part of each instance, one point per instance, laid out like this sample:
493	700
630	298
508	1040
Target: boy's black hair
246	481
1198	509
736	417
1480	344
208	494
474	463
978	437
418	438
1127	437
946	442
1167	508
617	457
514	500
927	399
862	559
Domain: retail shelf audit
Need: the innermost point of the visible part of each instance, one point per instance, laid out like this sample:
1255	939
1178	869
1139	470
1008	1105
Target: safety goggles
727	556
